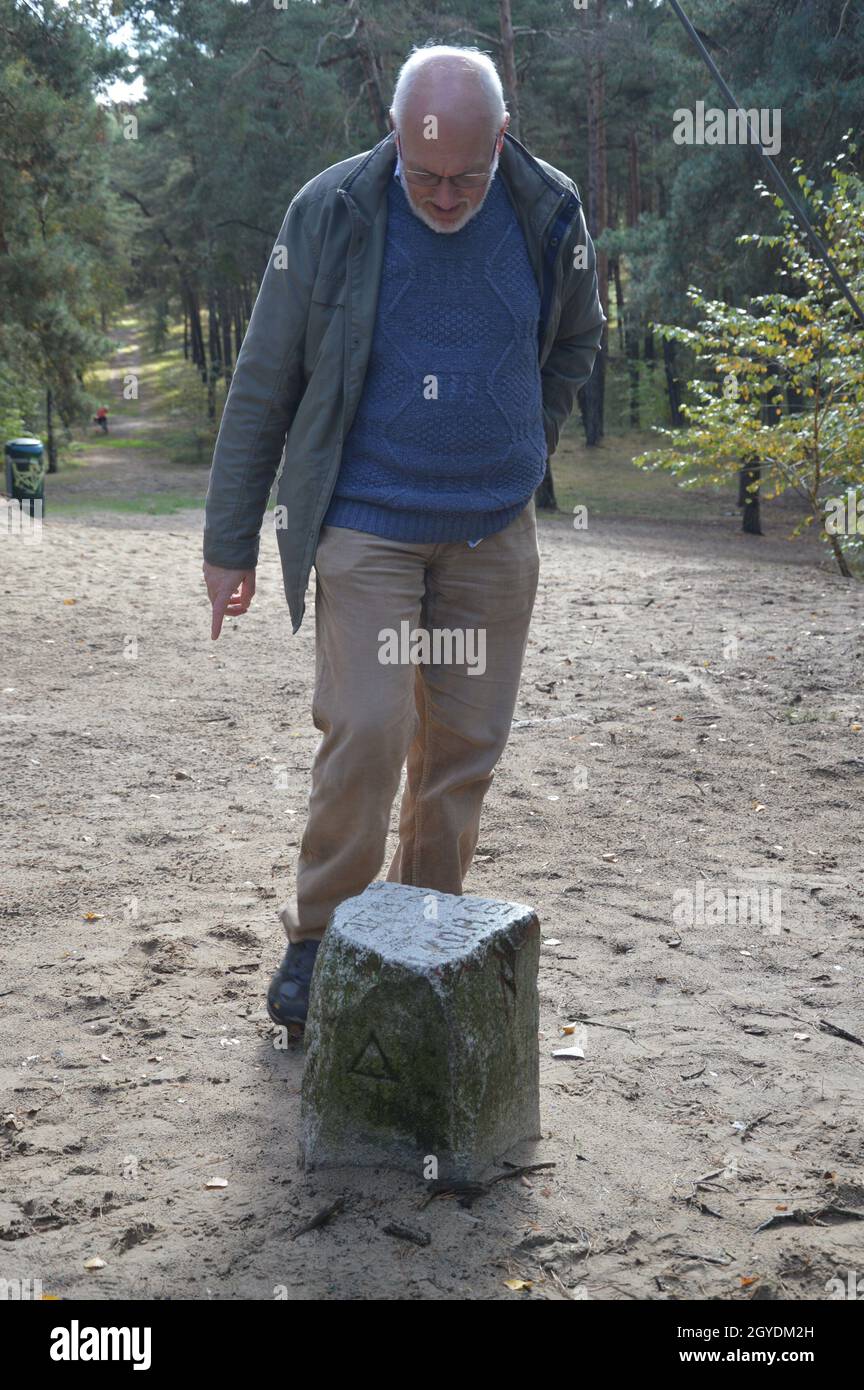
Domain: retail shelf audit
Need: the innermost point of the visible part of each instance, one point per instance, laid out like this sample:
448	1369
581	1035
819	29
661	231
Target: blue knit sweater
447	443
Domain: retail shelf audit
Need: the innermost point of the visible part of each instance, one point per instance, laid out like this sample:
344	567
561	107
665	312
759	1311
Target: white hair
477	65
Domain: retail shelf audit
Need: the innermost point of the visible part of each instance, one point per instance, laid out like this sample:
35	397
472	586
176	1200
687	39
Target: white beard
459	222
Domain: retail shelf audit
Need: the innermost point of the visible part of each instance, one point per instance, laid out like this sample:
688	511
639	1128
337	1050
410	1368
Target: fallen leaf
518	1284
94	1263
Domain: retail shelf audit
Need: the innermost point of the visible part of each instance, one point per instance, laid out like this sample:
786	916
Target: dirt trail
142	465
686	718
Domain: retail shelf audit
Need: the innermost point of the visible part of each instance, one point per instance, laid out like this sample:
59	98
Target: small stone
422	1036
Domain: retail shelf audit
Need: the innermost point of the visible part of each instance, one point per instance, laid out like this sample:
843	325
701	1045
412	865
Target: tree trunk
631	326
591	397
615	267
226	337
545	493
199	355
215	355
50	440
508	67
365	53
238	326
632	340
751	520
634	180
672	384
840	557
630	343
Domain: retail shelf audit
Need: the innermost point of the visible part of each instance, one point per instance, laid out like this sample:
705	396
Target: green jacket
301	367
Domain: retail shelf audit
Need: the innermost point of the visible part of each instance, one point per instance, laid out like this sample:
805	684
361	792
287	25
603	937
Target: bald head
458	86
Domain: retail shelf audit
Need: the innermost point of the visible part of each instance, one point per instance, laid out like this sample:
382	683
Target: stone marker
421	1039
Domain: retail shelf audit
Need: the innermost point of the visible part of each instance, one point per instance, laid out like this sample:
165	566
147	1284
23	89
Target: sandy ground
687	717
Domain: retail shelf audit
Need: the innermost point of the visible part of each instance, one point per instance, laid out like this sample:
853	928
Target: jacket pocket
326	308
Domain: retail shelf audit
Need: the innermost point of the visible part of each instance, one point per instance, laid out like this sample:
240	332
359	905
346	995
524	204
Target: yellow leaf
518	1284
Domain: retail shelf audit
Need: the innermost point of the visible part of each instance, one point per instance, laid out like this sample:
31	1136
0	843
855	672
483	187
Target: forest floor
690	720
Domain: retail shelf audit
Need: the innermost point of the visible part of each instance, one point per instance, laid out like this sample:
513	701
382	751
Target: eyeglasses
423	179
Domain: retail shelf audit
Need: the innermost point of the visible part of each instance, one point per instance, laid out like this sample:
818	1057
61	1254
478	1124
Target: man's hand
230	593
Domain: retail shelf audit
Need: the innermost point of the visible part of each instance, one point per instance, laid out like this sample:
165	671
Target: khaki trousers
450	718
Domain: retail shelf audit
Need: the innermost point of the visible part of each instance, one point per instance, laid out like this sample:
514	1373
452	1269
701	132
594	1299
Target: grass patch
148	504
604	480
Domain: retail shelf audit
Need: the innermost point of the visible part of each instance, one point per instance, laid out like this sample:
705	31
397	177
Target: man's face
465	150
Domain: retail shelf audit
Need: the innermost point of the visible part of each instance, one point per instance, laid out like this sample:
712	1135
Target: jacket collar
534	190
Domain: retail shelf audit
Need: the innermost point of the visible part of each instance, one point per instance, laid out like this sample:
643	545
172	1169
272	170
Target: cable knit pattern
463	308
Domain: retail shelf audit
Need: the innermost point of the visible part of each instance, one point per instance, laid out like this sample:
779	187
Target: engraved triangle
372	1061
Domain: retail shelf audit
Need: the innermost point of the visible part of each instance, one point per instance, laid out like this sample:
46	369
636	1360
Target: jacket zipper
565	216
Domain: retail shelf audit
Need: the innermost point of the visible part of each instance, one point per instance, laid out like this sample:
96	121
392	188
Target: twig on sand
468	1192
799	1217
839	1032
320	1218
407	1233
618	1028
748	1129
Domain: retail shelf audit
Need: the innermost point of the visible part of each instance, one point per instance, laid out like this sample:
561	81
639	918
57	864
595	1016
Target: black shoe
288	995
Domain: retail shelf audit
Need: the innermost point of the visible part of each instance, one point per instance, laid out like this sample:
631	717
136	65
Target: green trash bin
25	473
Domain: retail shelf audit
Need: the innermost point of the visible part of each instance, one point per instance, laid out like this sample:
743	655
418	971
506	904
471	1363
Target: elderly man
428	313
